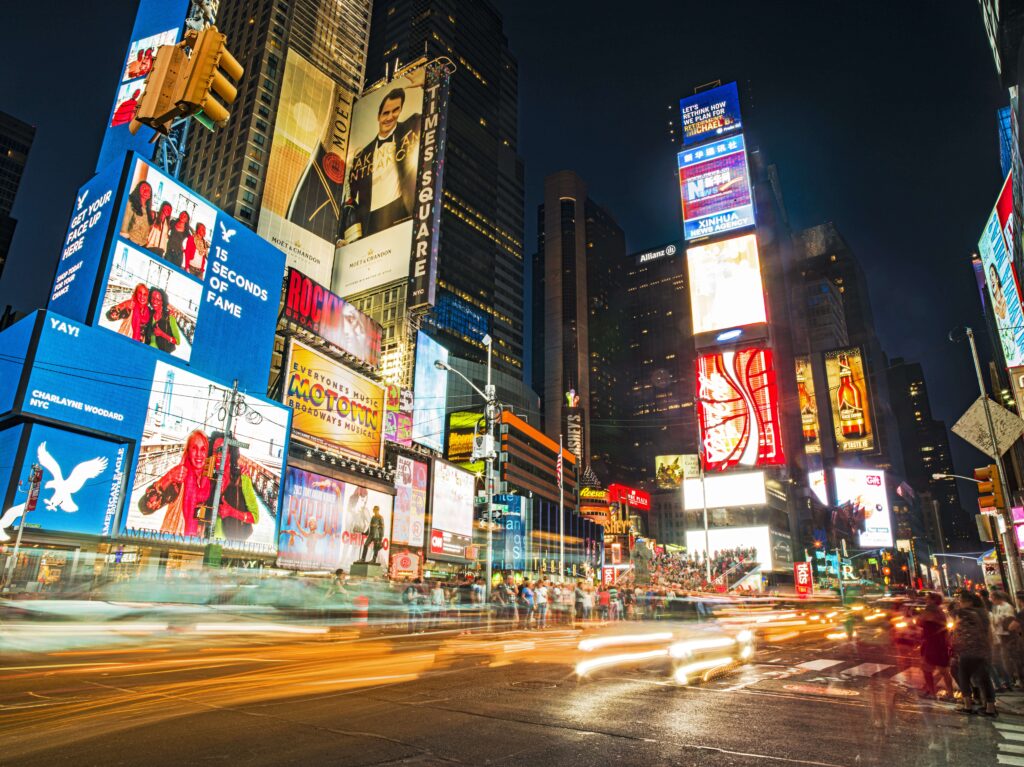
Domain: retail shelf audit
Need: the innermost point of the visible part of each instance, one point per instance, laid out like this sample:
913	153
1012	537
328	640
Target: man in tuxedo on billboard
382	183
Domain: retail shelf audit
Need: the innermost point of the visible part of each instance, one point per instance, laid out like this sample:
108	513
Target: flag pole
561	515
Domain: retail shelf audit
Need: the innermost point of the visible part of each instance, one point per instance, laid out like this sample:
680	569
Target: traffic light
990	489
209	70
158	103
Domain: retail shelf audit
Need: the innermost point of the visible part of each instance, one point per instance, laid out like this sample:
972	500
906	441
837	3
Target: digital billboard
738	409
82	483
164	267
714	185
380	189
996	251
451	512
303	197
816	481
809	425
463	426
849	401
183	438
670	470
771	550
157	22
173	419
862	508
725	491
324	522
725	285
398	415
312	306
334	407
410	501
430	387
710	114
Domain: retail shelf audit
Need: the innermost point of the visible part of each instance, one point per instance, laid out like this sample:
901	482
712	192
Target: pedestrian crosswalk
1010	743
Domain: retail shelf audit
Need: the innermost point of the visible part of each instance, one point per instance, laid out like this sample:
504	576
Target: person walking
578	599
1003	660
413	599
436	605
541	597
603	603
526	604
935	646
972	644
505	596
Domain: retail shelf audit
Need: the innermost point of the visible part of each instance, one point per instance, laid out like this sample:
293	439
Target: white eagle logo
63	489
225	233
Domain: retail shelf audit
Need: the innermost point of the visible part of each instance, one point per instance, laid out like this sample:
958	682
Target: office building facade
15	142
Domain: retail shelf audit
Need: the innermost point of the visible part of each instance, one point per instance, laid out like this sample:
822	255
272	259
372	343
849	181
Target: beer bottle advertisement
808	405
849	400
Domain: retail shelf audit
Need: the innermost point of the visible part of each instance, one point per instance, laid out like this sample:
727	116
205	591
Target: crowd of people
974	645
689	572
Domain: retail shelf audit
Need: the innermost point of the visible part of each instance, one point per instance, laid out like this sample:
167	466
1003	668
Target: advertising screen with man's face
151	260
183	440
996	251
380	189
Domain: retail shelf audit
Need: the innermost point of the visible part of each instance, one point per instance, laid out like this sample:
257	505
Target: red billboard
315	308
738	409
636	499
803	579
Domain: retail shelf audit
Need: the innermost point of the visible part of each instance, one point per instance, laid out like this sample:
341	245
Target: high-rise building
925	444
15	142
658	380
480	262
579	309
303	59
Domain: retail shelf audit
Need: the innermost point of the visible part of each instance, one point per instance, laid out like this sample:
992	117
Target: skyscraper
578	313
15	142
480	262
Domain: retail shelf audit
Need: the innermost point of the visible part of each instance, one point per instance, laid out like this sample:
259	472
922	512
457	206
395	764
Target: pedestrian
1004	659
505	597
413	599
603	603
479	593
436	605
578	599
972	644
526	604
588	603
541	597
935	646
613	603
465	600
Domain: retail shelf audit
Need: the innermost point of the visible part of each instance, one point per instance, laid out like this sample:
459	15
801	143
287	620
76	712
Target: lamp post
492	411
1009	536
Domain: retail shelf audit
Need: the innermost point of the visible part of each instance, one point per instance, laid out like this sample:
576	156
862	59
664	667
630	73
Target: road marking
1013	735
866	669
1015	760
1008	727
819	665
1011	748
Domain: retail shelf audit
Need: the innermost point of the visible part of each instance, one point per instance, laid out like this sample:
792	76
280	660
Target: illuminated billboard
996	251
849	401
334	407
714	185
725	491
462	428
710	114
324	522
149	259
862	508
725	285
772	550
303	196
184	430
410	501
669	471
738	409
310	305
809	425
451	513
82	482
430	386
157	22
816	481
398	415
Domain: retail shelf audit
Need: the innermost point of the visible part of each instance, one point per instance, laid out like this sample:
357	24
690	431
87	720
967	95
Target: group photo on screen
151	303
168	220
183	439
142	52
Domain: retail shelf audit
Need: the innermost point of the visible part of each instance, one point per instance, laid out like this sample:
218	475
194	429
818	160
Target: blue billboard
14	344
158	22
166	268
714	185
710	114
173	418
82	482
430	393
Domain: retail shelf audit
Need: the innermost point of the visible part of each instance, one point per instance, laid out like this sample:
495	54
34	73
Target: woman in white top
436	605
540	596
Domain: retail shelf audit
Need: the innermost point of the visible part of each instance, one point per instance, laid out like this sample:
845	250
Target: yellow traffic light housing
209	69
990	489
158	103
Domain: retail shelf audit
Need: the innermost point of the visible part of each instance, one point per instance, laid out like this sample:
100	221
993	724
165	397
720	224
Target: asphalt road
501	699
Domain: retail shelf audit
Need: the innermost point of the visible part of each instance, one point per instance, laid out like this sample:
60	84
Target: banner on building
809	424
410	501
850	401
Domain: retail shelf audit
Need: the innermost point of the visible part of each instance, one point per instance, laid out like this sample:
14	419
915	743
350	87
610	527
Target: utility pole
1009	537
35	479
233	402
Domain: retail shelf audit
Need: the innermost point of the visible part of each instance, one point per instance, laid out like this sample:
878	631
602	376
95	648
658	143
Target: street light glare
440	365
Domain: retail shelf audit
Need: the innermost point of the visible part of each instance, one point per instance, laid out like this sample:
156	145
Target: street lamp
492	411
956	476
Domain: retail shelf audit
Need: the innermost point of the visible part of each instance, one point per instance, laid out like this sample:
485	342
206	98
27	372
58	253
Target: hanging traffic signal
209	70
990	489
158	102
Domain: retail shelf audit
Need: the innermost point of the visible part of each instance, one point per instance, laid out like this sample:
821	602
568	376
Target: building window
245	213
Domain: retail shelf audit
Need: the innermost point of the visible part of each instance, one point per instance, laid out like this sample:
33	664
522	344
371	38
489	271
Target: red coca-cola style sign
803	578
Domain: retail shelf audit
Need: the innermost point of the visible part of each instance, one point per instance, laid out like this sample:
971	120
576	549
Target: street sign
803	577
973	427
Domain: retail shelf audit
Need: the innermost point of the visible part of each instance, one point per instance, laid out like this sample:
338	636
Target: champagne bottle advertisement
849	401
302	198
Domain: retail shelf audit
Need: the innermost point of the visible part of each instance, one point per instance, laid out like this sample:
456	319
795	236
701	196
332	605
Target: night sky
879	115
